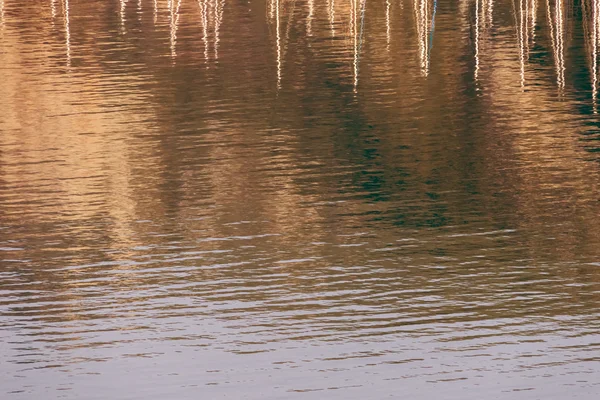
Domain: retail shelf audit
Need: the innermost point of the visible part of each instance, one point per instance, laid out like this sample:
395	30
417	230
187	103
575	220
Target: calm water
299	199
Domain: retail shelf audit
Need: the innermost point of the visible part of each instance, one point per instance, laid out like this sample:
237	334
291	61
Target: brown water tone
299	199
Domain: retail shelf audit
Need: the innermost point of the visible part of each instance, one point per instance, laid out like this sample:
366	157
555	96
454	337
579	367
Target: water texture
299	199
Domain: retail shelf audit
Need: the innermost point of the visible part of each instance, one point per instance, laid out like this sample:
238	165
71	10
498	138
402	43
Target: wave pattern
299	199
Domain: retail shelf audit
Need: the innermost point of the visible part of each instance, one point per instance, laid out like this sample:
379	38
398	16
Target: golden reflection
556	23
388	5
174	25
593	34
52	9
278	38
525	21
203	4
357	11
67	31
218	8
476	40
122	15
421	12
594	47
155	11
2	13
331	15
309	18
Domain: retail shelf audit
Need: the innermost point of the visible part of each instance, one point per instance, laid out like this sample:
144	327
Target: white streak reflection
2	14
155	11
309	18
218	19
203	4
174	24
67	31
388	5
52	8
331	15
278	38
476	73
122	15
556	23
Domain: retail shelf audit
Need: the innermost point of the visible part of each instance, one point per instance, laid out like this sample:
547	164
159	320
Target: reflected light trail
203	4
2	14
309	18
521	27
560	40
331	14
358	37
476	73
67	31
122	15
155	11
421	11
278	38
218	18
52	8
174	10
388	4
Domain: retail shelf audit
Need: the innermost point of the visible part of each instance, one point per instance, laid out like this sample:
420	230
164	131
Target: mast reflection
67	31
174	25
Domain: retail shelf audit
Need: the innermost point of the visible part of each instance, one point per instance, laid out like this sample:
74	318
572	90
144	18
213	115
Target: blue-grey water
299	199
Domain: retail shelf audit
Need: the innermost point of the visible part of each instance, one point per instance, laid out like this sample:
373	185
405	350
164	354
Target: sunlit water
299	199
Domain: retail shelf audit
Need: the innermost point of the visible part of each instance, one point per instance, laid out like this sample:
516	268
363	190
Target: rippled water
299	199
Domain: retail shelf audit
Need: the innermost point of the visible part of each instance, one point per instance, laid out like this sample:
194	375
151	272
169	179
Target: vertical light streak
354	32
388	5
155	11
2	14
219	6
594	71
331	13
278	28
52	8
521	25
309	18
358	35
174	11
421	10
67	31
560	44
476	40
203	4
123	4
533	20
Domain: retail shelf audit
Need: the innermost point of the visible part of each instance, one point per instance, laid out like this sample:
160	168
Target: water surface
299	199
